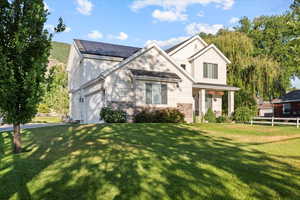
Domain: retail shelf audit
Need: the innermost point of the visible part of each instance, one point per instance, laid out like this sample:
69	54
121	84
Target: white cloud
167	43
67	30
195	28
84	7
122	36
234	20
175	10
200	14
95	35
179	4
46	6
49	27
169	16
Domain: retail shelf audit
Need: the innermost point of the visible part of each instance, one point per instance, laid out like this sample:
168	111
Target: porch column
202	102
230	103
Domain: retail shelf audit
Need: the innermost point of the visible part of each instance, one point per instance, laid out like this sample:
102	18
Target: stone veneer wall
187	110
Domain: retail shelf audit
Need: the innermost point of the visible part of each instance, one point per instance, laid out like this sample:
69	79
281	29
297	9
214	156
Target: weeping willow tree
278	37
254	74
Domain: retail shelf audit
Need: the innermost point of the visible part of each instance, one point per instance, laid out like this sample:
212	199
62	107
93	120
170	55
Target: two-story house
190	76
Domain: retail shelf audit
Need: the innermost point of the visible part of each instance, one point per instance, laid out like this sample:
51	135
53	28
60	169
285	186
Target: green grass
46	120
153	161
60	51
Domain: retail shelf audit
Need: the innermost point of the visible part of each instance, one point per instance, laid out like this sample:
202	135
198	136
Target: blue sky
138	22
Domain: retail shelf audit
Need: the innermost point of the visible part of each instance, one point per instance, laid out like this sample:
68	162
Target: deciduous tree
24	51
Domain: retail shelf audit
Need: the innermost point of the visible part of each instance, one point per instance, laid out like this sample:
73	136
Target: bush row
167	115
159	116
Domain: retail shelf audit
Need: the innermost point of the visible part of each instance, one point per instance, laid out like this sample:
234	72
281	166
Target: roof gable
139	53
206	49
105	49
185	43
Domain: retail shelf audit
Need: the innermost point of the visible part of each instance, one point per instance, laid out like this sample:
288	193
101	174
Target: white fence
274	121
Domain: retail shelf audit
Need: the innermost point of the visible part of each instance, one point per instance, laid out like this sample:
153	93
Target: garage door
94	103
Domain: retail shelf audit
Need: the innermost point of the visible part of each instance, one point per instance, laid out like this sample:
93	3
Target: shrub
159	116
223	119
144	116
210	116
243	114
113	116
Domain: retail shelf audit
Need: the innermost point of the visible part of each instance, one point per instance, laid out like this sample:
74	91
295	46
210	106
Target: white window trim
145	93
208	78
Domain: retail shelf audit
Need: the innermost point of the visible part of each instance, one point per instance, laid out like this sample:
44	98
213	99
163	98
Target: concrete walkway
8	127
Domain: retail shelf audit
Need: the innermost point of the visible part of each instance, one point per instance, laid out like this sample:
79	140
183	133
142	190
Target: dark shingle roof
294	95
177	45
168	75
105	49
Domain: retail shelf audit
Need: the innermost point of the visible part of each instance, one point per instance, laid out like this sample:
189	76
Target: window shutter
148	93
215	71
164	94
205	70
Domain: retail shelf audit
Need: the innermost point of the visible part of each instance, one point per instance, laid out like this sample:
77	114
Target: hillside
60	52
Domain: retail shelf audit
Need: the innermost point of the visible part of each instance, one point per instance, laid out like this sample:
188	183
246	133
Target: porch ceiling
215	87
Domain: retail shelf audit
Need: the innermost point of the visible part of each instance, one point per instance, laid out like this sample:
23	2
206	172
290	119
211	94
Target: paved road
29	126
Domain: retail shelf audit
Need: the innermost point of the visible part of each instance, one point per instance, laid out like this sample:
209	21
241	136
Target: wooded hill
60	52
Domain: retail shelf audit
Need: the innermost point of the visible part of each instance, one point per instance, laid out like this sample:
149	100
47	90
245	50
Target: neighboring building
265	109
190	76
288	106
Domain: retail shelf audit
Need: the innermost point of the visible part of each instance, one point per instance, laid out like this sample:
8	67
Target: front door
208	102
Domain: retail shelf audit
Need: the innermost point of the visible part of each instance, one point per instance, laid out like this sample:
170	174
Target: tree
254	74
24	51
56	92
278	37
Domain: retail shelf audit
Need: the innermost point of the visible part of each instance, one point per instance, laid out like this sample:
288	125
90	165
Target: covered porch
209	96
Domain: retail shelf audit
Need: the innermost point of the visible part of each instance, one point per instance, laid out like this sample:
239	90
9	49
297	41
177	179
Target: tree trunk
17	139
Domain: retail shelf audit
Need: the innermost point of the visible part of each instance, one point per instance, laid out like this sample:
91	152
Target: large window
156	93
210	70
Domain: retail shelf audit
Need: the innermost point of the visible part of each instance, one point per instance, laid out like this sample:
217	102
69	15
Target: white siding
91	68
74	69
210	56
75	106
181	55
188	50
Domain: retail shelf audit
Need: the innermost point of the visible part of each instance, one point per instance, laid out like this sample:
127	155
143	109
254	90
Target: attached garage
93	105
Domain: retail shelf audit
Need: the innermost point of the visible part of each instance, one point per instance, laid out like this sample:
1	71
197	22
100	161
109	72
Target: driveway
7	127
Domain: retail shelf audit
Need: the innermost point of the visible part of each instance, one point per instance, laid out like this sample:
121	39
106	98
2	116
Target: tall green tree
278	37
24	51
254	74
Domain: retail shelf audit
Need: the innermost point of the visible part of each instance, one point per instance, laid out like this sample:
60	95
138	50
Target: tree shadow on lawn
142	161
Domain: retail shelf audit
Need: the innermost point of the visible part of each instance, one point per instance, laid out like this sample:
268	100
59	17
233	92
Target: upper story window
210	70
81	99
156	93
183	66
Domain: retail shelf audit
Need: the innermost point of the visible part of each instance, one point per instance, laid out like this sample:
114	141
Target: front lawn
46	120
153	161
